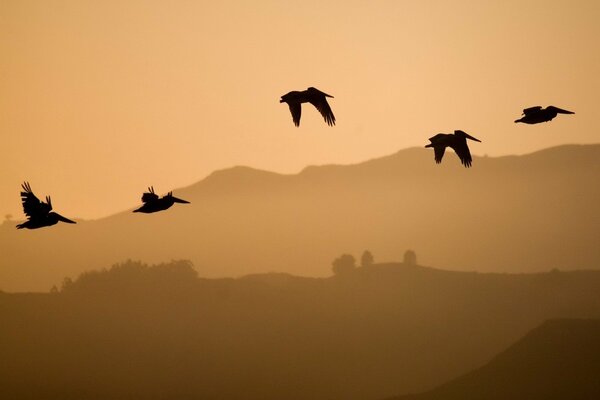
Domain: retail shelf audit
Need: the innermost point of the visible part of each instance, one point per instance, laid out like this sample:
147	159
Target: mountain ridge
507	214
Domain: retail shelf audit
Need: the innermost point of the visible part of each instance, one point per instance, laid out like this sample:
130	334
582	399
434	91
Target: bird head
466	135
176	200
59	217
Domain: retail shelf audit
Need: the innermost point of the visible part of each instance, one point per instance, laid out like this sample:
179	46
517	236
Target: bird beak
561	111
328	95
472	138
176	200
63	219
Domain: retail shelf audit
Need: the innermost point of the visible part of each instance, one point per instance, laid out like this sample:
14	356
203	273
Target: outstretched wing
462	151
296	110
438	152
149	196
32	206
531	110
559	110
321	104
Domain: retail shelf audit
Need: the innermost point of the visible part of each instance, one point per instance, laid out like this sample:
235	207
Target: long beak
176	200
63	219
472	138
561	111
328	95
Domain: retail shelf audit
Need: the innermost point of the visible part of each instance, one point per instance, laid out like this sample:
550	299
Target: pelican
313	96
456	140
152	203
537	114
38	213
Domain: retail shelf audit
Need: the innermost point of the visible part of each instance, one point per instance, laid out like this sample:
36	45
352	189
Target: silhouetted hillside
509	214
159	332
558	360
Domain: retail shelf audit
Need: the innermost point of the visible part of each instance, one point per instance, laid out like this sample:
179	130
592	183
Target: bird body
152	203
39	214
457	141
313	96
537	114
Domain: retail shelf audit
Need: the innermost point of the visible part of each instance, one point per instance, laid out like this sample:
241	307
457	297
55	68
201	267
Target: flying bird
457	141
39	214
537	114
313	96
152	203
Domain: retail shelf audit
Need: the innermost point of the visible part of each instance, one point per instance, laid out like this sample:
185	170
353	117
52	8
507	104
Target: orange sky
100	99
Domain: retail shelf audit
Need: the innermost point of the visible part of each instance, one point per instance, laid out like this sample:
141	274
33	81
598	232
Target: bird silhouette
537	114
457	141
313	96
152	203
39	214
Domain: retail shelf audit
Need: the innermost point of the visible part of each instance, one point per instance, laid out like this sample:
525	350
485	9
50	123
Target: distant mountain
370	333
508	214
558	360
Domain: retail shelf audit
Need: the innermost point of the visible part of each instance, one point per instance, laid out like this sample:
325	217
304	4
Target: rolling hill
374	332
558	360
508	214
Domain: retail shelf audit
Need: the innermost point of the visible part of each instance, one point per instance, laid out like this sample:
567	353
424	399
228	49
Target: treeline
133	276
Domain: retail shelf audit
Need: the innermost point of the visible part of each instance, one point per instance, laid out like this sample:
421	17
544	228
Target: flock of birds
39	214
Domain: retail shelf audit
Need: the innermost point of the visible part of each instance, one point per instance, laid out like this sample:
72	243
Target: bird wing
32	206
462	151
321	104
149	196
559	110
438	152
296	110
531	110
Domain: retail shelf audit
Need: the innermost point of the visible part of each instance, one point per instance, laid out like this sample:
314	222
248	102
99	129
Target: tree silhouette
135	276
367	259
343	264
410	257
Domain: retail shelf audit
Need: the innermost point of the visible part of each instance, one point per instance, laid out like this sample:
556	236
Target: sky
101	99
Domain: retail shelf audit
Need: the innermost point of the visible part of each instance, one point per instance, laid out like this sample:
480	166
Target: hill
508	214
162	333
558	360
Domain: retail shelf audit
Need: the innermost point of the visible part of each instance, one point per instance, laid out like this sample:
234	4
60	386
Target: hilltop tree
367	259
410	257
343	264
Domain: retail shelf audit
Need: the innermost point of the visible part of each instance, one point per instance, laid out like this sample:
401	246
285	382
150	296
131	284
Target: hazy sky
100	99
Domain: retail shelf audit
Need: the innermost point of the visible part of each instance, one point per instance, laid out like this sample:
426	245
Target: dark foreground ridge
558	360
160	332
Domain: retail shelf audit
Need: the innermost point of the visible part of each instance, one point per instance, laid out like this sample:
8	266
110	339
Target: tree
343	264
367	259
410	257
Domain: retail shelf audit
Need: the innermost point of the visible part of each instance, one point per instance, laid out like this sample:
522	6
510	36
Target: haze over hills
519	213
368	333
558	360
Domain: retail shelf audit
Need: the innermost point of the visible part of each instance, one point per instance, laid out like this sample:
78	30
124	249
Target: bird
313	96
38	213
456	140
152	203
537	114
